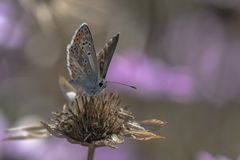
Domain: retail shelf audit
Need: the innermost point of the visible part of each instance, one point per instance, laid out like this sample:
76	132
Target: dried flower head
99	121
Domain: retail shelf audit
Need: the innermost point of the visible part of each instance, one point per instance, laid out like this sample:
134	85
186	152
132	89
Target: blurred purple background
183	56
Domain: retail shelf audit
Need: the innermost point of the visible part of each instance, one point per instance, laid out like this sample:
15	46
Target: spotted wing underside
81	56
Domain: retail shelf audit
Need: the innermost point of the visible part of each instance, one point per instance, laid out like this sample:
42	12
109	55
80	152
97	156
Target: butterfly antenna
133	87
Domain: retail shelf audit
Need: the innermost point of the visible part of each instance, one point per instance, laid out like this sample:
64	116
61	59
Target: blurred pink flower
11	29
152	77
201	41
203	155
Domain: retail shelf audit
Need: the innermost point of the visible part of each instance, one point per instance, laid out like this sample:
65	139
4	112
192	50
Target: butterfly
87	69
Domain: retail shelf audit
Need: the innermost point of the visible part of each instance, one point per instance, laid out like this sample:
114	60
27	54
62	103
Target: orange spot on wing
82	34
77	40
79	37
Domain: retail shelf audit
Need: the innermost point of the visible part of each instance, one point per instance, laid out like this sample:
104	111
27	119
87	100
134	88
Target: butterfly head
96	89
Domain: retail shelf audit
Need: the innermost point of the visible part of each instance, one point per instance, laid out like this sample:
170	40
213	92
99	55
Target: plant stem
91	150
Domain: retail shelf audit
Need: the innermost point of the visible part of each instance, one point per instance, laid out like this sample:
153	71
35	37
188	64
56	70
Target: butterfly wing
105	55
67	89
81	57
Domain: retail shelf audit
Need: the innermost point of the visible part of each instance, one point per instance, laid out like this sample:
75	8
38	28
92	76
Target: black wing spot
89	71
74	48
88	53
71	50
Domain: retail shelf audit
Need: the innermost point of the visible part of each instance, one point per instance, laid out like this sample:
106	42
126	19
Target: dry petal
154	122
145	135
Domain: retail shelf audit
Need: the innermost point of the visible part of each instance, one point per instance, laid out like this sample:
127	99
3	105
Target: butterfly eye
100	84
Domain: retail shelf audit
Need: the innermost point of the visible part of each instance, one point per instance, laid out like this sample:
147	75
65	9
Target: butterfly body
88	70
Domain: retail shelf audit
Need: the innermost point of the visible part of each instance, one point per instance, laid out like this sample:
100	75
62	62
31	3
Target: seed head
97	120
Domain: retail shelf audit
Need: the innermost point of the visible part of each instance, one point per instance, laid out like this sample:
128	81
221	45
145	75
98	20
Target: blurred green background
183	56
